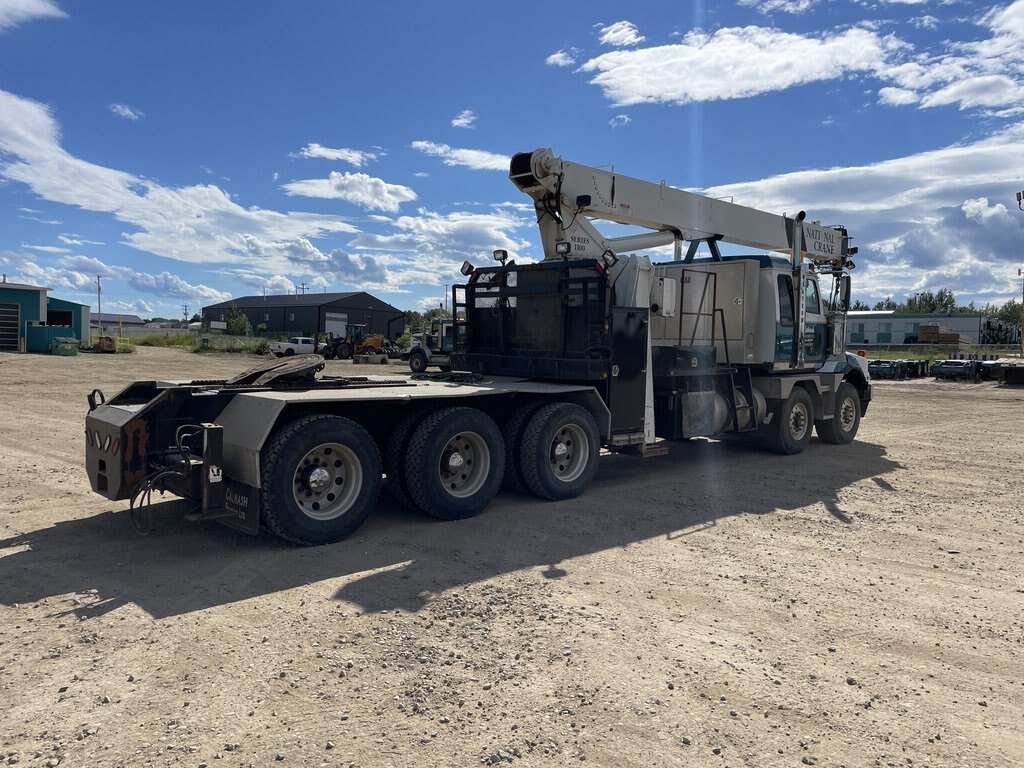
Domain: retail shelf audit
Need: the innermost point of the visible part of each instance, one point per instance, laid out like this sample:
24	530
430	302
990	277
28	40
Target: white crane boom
567	195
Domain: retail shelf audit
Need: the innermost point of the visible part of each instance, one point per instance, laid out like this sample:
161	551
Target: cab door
816	326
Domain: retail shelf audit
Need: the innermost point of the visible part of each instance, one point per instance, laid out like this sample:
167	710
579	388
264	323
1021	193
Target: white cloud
785	6
619	120
476	159
354	157
561	59
198	224
986	74
16	12
75	240
128	113
619	34
926	216
78	273
733	63
464	119
47	248
429	247
980	91
367	192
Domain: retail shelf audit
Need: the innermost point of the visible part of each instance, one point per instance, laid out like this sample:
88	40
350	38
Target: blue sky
191	152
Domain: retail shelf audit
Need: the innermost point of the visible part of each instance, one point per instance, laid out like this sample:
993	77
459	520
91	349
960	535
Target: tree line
943	301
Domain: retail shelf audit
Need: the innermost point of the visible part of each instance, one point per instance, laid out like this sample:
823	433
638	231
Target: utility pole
99	307
186	315
1020	204
303	287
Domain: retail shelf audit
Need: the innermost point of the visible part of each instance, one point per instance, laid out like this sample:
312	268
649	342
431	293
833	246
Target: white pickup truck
296	345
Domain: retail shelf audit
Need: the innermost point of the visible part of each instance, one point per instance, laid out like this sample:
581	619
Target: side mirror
844	292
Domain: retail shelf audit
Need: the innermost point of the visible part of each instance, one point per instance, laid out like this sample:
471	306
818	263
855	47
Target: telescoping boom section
595	347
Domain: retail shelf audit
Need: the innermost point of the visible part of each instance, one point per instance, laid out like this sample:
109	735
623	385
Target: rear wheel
790	431
512	433
454	463
395	456
344	351
842	428
321	479
559	451
417	362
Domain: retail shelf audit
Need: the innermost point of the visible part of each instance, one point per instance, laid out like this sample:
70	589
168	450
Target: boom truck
594	347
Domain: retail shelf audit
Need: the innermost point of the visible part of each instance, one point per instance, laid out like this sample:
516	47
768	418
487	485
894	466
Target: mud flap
242	503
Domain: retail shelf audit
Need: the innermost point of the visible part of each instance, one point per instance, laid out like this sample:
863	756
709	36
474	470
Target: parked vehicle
434	348
296	345
885	369
593	348
356	342
955	369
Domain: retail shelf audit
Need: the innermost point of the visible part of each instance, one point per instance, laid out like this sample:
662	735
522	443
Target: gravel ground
857	605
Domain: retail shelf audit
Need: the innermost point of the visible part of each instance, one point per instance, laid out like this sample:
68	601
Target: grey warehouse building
309	313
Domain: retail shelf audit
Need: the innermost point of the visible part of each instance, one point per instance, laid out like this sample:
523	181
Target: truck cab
434	347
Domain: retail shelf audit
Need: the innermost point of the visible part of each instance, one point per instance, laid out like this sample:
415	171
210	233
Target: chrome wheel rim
326	481
464	464
568	453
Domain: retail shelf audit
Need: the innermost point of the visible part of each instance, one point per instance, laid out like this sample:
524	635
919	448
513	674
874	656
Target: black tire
417	362
841	429
395	456
790	430
344	351
289	352
321	479
559	451
512	433
454	463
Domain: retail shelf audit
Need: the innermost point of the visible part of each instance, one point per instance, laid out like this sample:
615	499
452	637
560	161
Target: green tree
1010	312
237	323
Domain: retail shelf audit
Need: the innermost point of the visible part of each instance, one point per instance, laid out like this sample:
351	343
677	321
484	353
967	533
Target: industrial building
310	313
30	319
888	327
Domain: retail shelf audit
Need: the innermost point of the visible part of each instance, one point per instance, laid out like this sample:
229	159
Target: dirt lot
721	606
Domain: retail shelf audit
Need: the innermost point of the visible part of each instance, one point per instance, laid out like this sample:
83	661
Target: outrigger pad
280	369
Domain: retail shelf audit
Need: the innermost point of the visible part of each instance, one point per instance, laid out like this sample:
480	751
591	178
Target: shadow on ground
398	559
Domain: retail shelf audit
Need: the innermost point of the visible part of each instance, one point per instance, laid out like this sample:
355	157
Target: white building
888	327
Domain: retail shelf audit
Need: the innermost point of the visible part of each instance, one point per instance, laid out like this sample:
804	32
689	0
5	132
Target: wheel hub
318	479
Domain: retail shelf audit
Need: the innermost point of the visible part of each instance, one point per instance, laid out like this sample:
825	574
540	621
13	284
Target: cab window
785	301
812	303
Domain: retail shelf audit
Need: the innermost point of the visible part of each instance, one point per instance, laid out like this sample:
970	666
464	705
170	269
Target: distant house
109	322
310	313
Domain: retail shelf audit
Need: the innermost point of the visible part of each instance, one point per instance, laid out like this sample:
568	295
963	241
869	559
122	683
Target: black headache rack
544	321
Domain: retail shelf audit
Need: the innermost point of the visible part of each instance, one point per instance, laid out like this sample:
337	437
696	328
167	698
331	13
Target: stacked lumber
937	334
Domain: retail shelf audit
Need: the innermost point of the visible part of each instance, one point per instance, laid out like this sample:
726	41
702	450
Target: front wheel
559	450
790	431
321	479
344	351
417	362
842	428
454	463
